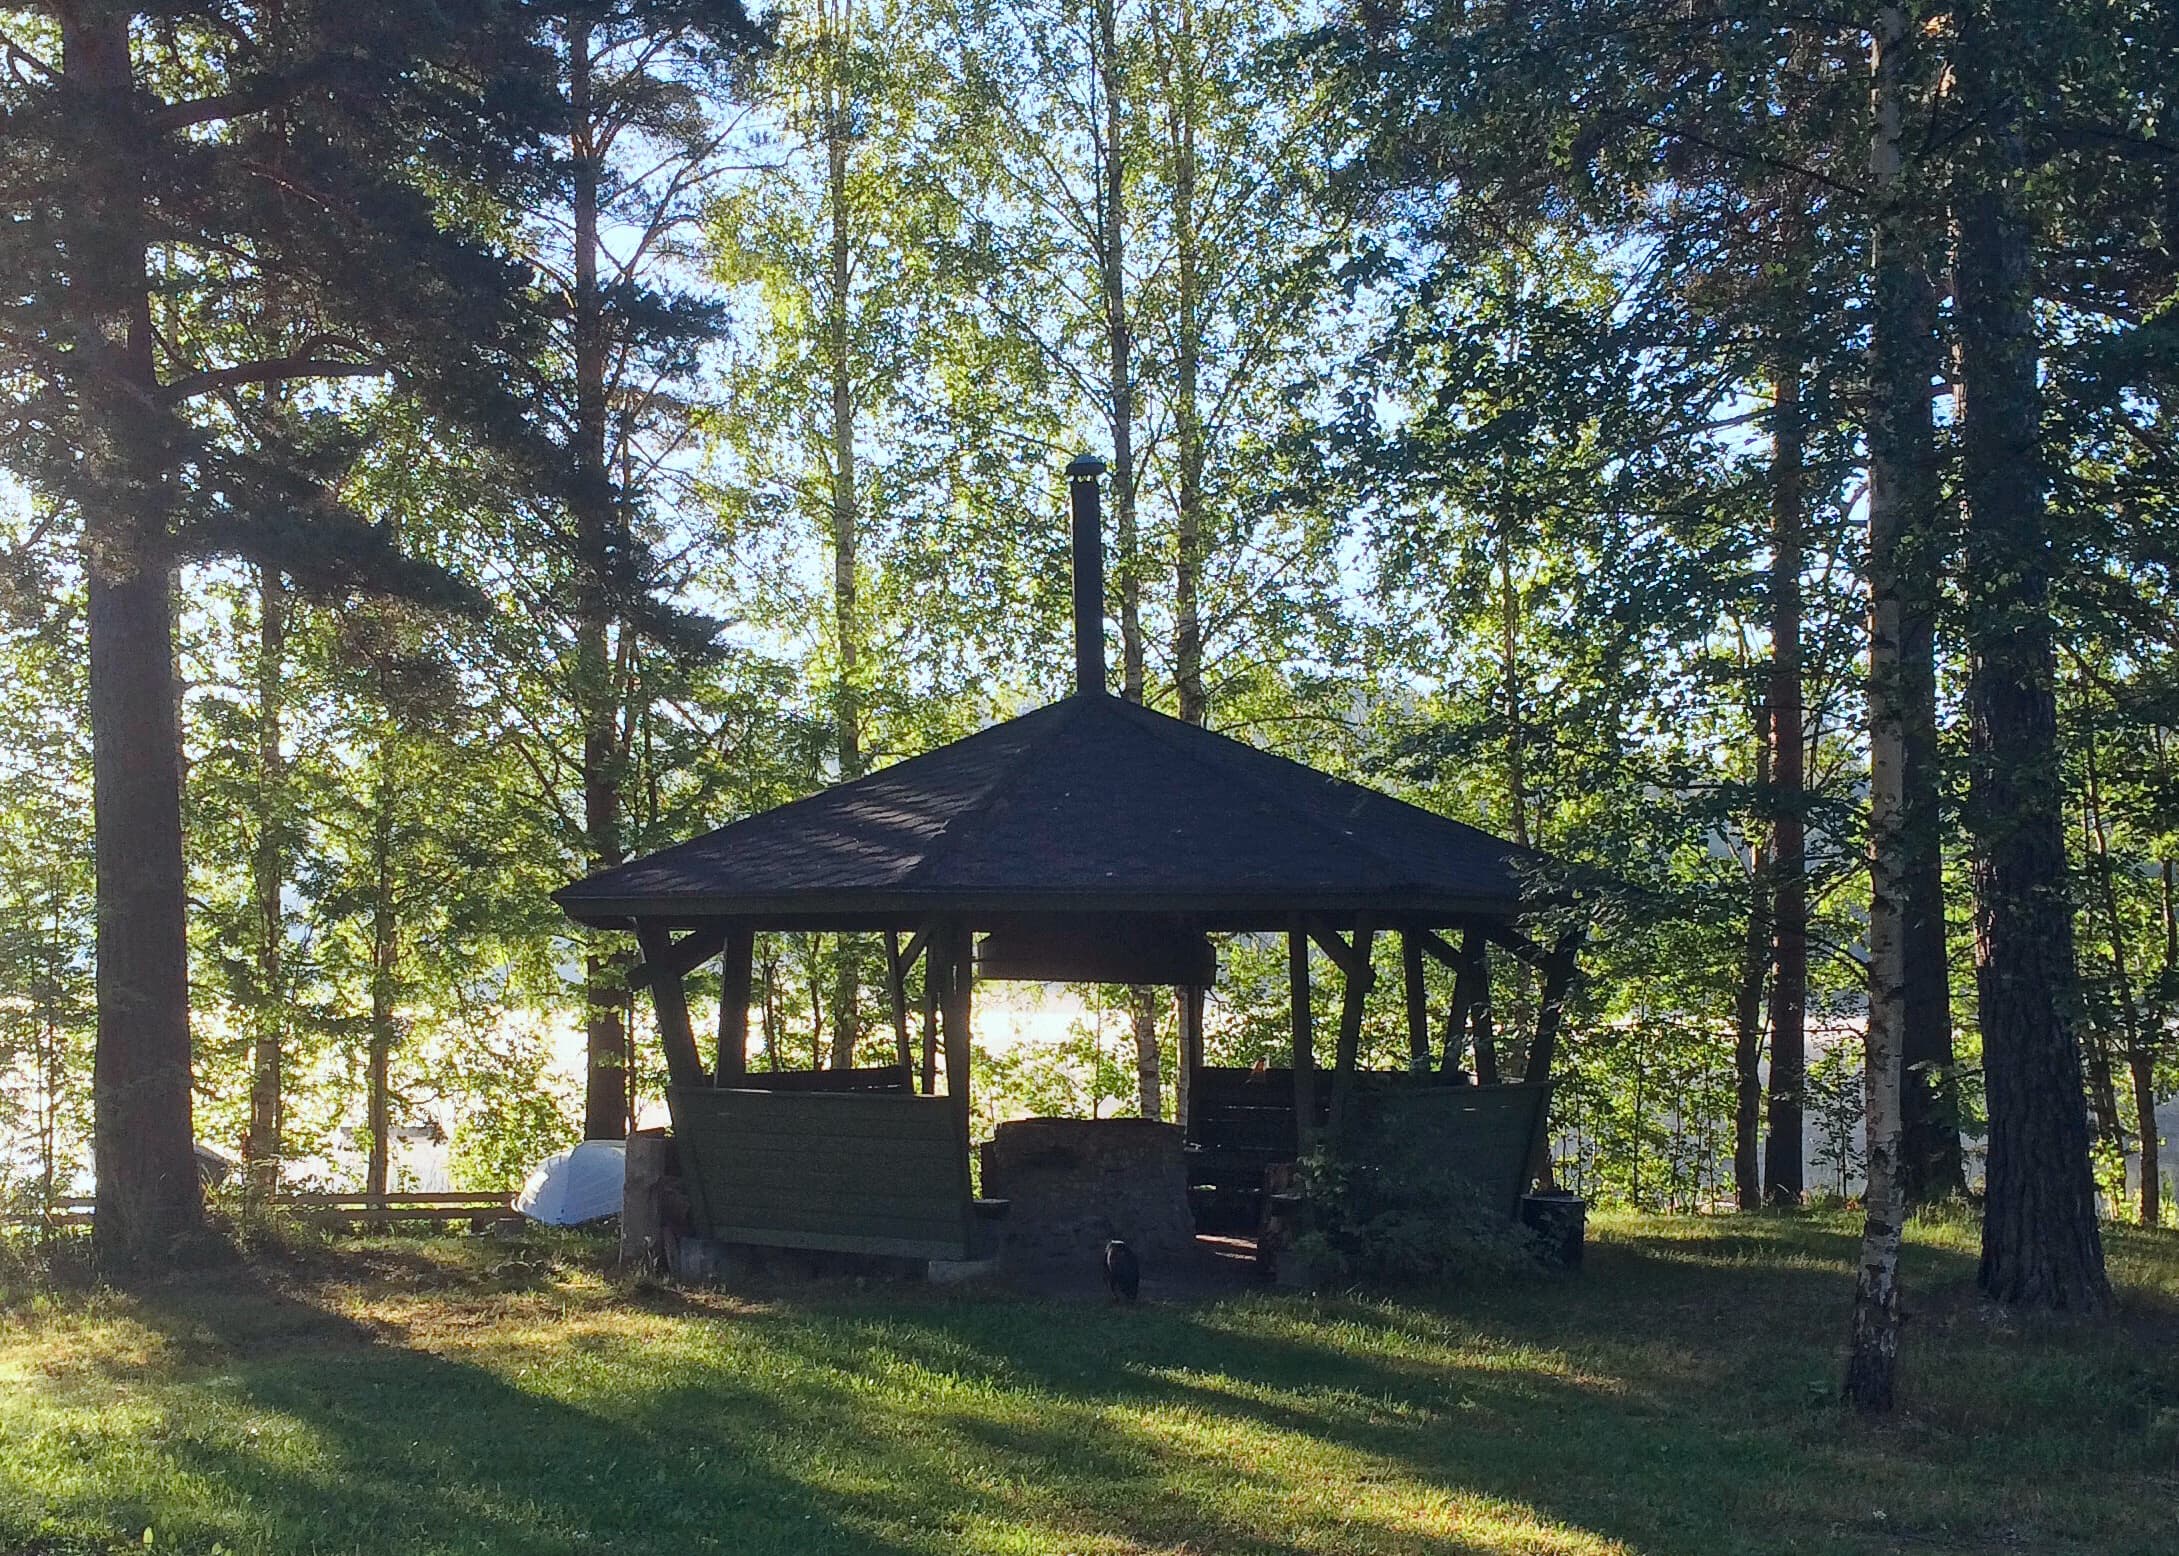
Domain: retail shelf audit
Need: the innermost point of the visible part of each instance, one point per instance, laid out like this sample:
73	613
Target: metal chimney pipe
1089	572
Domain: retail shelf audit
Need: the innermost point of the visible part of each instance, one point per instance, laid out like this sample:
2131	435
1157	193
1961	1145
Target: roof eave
853	909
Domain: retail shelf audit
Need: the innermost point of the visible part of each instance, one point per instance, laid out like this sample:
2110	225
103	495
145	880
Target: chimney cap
1085	467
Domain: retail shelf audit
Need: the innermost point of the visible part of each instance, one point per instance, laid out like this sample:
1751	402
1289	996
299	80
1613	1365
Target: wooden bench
1484	1137
1241	1122
342	1210
877	1172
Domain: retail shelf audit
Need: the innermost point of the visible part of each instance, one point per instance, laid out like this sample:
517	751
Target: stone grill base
1075	1183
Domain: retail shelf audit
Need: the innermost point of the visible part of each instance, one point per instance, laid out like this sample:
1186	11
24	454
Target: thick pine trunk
149	1199
148	1194
605	1086
269	1020
2040	1243
1782	1159
1899	397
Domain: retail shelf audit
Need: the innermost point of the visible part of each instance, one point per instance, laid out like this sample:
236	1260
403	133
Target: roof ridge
1154	723
949	835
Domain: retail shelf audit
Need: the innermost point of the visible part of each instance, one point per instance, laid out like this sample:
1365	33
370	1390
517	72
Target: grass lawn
448	1394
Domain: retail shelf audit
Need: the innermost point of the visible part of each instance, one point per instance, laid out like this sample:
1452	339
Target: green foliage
512	1113
46	901
1388	1215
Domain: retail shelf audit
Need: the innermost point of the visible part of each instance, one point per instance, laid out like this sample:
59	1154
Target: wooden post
1475	952
933	940
957	970
1557	975
1191	1049
1297	990
642	1204
1359	977
1456	1017
1418	1006
668	997
736	970
1558	972
896	987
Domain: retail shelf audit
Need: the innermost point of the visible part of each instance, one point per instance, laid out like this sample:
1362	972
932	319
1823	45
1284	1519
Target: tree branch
272	370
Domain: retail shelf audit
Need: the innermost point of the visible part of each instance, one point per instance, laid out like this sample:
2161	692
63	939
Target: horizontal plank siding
879	1078
1480	1135
1240	1121
847	1171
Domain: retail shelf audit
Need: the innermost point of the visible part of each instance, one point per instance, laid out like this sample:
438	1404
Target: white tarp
571	1187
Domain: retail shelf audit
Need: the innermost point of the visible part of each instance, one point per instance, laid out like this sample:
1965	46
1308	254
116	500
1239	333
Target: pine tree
132	152
2040	1243
647	106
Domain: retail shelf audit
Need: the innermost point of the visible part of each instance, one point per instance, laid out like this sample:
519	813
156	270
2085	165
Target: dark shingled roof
1092	804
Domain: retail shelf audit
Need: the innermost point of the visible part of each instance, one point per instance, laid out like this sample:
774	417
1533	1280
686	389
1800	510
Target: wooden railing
321	1209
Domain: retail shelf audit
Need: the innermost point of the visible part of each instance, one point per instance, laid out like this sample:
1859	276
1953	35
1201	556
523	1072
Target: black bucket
1558	1222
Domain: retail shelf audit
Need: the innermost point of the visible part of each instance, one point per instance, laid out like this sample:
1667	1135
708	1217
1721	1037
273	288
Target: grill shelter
1092	840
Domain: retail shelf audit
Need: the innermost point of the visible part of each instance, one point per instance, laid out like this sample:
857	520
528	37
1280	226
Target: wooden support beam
1456	1017
681	957
956	970
1516	942
1475	973
1418	1003
896	988
1297	991
931	939
1360	976
1443	950
1557	978
1191	1049
736	971
1558	975
1334	945
683	1065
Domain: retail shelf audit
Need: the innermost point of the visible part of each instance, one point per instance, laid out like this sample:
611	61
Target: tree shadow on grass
1616	1405
933	1422
1610	1407
308	1431
1157	1424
